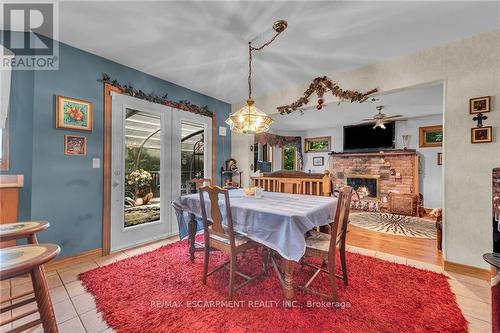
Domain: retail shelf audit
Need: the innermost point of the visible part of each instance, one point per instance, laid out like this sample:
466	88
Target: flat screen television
365	137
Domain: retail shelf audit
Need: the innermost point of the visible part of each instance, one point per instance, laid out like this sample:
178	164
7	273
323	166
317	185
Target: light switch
96	163
222	131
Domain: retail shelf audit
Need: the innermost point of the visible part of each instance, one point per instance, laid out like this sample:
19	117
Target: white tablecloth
277	220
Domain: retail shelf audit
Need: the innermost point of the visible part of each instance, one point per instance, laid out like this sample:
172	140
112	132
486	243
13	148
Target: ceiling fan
380	119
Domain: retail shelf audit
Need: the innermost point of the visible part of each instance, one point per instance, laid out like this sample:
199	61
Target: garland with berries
320	85
183	105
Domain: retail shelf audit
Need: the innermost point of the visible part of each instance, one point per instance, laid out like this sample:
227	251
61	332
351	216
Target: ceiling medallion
249	119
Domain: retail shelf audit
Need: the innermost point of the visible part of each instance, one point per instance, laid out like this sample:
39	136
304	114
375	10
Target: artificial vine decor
320	85
183	105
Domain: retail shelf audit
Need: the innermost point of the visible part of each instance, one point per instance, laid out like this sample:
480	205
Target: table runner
277	220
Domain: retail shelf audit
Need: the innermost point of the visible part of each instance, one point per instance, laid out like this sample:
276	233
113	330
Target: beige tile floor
76	312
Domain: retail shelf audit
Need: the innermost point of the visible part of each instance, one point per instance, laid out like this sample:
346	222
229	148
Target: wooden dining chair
223	238
325	247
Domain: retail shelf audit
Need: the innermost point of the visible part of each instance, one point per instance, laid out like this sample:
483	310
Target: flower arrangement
139	179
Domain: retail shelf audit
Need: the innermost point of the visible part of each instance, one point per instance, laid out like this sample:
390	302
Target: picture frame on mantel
431	136
74	114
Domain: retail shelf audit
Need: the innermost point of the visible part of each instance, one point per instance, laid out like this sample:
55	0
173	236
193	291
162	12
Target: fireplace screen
365	186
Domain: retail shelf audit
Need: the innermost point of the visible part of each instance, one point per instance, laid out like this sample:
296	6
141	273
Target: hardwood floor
411	248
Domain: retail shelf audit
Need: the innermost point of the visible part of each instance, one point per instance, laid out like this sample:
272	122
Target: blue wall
66	190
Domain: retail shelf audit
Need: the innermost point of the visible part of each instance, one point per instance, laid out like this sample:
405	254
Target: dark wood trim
476	272
74	259
106	210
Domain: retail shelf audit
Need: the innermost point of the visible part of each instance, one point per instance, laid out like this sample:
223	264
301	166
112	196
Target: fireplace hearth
366	185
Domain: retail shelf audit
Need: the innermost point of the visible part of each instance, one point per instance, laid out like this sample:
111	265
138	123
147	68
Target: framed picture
431	136
314	145
75	145
72	113
440	159
318	161
481	134
479	104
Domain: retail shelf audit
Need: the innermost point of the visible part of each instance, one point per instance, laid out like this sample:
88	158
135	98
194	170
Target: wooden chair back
200	182
291	186
213	225
338	230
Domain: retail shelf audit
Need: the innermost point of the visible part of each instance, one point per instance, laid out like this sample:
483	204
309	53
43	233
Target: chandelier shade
249	120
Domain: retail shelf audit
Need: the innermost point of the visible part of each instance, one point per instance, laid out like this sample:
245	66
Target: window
317	144
289	161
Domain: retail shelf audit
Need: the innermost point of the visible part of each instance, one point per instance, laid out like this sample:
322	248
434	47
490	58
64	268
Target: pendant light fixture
249	119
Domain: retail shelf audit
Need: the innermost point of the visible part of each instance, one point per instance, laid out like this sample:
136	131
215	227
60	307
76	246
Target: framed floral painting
75	145
72	113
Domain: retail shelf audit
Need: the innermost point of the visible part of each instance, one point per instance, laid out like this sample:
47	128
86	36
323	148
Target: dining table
277	220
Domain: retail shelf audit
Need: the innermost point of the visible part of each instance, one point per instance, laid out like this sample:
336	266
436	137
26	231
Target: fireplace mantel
378	153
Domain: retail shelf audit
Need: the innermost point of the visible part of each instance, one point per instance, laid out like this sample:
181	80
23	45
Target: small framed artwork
315	145
440	159
479	104
481	134
75	114
318	161
431	136
75	145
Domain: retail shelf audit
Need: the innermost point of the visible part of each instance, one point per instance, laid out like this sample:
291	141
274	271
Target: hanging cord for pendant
279	27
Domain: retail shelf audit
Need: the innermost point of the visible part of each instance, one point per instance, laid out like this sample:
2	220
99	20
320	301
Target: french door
156	150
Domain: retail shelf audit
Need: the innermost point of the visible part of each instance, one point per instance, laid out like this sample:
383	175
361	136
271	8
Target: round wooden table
18	230
18	260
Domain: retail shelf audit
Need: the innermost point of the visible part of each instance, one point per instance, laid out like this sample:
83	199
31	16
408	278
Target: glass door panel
192	155
142	168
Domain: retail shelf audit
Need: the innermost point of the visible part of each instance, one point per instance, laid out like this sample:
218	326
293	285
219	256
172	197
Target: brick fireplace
392	170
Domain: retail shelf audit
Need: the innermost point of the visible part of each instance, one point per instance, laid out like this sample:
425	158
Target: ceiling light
249	119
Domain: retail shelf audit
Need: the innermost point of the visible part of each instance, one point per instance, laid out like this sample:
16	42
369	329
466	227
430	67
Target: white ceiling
203	45
410	103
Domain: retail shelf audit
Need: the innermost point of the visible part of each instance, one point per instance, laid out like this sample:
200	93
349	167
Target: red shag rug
161	291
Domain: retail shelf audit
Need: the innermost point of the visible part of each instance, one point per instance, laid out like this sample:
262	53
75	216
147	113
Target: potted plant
140	181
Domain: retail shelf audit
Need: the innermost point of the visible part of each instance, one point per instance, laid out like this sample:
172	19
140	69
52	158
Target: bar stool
18	230
19	260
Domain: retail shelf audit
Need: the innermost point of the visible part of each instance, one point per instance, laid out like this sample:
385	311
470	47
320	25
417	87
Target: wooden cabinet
9	200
